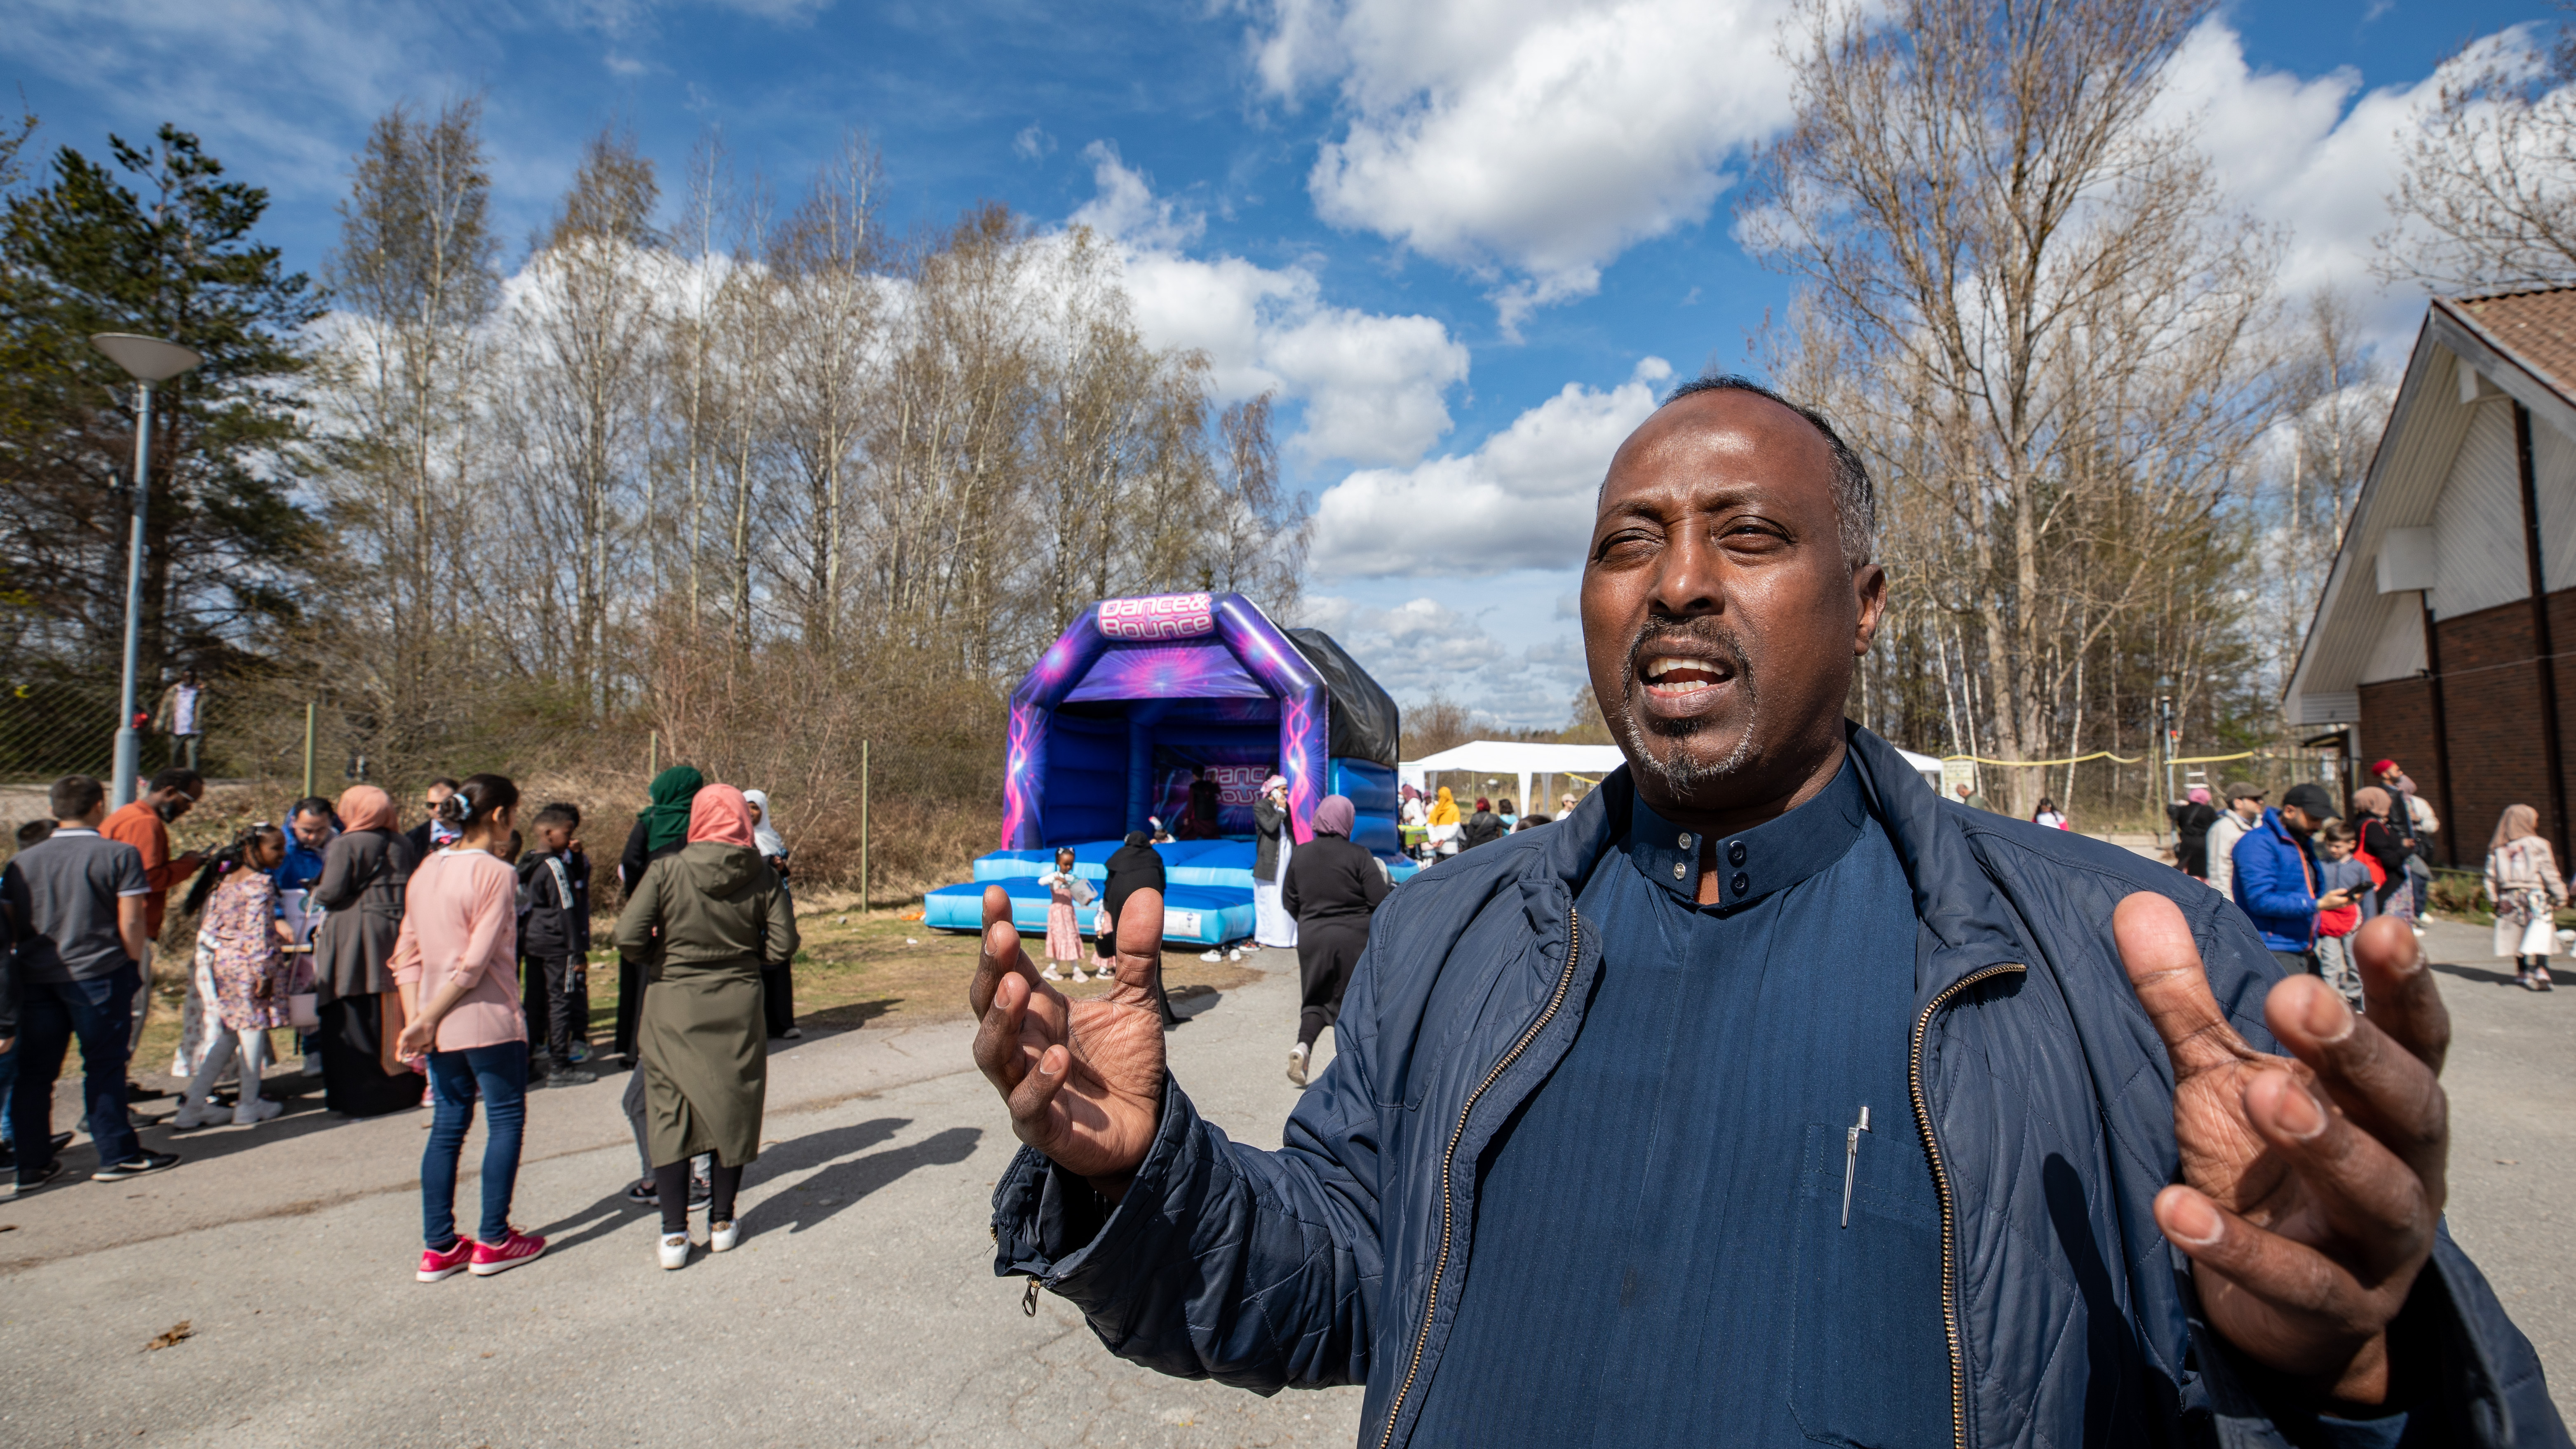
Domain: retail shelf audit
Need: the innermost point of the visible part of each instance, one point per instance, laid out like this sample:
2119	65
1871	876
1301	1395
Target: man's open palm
1083	1079
2310	1183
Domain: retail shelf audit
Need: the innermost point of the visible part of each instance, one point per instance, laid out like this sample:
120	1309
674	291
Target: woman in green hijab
661	828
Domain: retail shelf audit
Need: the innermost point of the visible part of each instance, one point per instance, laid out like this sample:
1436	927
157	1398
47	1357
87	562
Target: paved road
861	1307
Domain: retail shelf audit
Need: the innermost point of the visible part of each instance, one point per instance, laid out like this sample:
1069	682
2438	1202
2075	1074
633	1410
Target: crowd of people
2309	872
445	964
1434	827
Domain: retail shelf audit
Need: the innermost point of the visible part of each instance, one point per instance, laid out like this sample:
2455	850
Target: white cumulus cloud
1530	142
1522	499
2316	156
1374	387
1424	647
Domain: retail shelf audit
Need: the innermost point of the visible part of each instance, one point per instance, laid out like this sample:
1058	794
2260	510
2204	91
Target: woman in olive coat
706	921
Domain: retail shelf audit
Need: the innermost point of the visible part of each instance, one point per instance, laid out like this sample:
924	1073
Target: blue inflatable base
1192	915
1208	900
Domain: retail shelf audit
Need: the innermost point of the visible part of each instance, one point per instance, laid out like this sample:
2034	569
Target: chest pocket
1869	1357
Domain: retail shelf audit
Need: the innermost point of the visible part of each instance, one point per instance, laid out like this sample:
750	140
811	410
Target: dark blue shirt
1679	1179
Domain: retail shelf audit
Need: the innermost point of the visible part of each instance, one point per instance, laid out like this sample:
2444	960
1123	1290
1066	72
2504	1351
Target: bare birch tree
2052	340
584	327
415	280
825	263
2487	199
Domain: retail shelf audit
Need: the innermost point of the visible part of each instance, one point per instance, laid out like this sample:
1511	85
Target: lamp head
146	359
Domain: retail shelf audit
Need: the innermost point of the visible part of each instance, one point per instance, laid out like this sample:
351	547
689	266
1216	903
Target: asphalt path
860	1307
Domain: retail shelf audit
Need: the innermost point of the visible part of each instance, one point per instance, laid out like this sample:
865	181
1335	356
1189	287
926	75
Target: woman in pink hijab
2192	819
705	922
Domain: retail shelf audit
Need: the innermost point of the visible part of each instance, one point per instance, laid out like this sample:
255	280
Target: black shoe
699	1192
644	1194
135	1166
570	1077
44	1176
9	1151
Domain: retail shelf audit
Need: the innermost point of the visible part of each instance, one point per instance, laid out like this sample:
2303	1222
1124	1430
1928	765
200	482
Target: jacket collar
1966	924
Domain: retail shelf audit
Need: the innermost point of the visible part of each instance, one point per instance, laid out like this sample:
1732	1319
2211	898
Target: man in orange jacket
145	825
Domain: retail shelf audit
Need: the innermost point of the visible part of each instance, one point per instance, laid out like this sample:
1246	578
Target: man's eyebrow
1658	503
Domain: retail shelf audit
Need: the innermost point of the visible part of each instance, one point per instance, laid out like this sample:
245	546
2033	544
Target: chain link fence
910	813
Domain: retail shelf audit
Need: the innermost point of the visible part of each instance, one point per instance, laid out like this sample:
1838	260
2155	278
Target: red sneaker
438	1263
510	1252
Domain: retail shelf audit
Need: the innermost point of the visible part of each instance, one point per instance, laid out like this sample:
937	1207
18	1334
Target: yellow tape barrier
2103	755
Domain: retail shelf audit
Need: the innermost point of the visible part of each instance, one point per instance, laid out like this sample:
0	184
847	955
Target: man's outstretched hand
2310	1183
1083	1079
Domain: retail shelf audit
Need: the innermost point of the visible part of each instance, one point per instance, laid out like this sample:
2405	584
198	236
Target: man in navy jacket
2134	1186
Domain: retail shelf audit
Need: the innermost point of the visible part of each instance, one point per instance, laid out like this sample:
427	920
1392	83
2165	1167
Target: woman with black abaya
1333	887
365	871
1133	867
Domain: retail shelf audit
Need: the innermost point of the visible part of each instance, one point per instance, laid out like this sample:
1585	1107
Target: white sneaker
1211	956
196	1114
1078	976
674	1250
722	1236
251	1111
1050	973
1234	955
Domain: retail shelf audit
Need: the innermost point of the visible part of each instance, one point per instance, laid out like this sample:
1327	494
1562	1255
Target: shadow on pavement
598	1220
303	1117
815	1200
2481	974
833	1020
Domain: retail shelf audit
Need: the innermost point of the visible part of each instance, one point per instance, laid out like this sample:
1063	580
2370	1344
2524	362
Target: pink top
461	922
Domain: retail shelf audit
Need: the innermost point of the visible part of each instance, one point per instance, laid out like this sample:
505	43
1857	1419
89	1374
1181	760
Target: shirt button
1685	841
1741	883
1677	870
1735	852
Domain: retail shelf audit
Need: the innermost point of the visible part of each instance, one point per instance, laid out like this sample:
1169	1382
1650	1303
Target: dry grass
858	968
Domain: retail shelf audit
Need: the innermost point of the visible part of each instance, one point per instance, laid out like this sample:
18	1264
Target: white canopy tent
1498	758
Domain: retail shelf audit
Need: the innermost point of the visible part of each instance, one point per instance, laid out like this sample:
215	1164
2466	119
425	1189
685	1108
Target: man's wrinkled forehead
1738	442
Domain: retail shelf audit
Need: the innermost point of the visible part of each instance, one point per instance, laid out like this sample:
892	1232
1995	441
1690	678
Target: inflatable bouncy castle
1136	702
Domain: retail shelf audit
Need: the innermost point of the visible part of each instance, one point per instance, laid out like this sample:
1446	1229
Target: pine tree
157	243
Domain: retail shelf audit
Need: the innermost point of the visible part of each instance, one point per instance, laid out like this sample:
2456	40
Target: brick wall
2397	723
2491	713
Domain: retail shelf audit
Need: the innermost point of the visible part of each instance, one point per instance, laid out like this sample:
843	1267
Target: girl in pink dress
241	950
1065	890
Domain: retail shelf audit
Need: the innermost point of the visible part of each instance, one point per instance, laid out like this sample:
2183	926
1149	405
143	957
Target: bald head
1855	496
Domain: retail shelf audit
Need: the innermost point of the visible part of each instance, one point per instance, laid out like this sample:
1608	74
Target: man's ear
1869	593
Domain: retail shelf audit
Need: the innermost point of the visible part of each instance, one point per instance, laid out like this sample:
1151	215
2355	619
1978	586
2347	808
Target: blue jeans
499	1074
100	1013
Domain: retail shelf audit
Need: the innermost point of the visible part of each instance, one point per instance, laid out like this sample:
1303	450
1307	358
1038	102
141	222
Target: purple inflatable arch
1137	693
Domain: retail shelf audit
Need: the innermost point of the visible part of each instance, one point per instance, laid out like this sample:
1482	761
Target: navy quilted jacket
2048	1099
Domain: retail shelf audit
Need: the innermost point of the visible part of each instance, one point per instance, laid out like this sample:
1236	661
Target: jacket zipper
1941	1185
1440	1267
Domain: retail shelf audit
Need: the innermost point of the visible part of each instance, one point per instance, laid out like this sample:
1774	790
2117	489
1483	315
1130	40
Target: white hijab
764	836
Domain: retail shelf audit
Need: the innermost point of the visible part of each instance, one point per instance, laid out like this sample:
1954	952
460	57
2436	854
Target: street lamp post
147	360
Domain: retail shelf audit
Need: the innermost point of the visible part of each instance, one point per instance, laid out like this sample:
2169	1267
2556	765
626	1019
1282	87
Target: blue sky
1467	240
